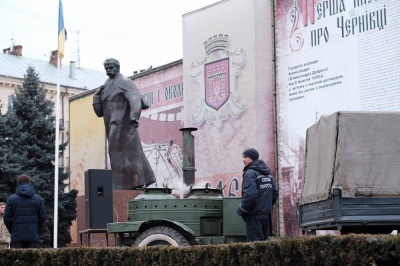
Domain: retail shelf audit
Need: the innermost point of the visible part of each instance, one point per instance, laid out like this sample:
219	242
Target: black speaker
98	198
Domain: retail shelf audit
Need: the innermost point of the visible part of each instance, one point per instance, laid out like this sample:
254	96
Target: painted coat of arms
215	78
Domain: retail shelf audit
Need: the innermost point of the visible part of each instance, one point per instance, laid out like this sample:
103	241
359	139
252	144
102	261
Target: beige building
73	80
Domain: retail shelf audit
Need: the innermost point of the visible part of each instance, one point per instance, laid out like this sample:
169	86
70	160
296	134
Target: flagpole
56	156
62	36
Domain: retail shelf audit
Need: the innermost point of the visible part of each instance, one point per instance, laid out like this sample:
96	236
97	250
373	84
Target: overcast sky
139	33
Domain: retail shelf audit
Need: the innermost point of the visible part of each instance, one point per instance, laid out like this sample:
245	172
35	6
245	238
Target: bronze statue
120	103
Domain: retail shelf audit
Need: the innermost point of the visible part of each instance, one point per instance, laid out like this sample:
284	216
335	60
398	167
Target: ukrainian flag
62	33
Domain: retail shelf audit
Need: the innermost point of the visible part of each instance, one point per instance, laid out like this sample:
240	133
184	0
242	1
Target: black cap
251	153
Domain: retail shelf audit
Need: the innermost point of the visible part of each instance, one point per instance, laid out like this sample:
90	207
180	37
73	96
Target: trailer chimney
188	164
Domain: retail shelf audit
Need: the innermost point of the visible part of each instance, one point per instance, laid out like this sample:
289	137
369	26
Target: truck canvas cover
358	152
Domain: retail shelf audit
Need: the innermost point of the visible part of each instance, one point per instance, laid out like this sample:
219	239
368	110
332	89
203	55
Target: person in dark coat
120	103
259	194
24	215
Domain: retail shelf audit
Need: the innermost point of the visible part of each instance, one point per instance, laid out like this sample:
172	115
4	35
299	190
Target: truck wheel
161	236
312	232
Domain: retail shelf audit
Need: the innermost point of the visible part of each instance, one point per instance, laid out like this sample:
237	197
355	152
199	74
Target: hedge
305	250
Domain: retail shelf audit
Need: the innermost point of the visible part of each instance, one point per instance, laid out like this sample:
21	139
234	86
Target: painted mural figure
120	103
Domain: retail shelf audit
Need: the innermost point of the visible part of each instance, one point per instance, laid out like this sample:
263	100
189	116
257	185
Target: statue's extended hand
134	123
99	90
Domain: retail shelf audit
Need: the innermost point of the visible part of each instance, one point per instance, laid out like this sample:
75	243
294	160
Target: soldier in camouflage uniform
4	234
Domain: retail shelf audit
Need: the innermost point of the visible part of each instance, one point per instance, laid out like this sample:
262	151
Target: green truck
352	174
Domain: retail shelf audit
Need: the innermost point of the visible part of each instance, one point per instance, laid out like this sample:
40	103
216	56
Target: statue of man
120	103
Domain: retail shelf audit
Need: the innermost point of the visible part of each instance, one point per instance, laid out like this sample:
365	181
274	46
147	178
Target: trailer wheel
161	236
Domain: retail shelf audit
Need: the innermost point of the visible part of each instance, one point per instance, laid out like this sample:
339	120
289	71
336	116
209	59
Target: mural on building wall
166	162
228	80
160	124
331	56
215	79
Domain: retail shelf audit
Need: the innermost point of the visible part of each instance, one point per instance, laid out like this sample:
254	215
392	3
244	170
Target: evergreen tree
27	145
9	160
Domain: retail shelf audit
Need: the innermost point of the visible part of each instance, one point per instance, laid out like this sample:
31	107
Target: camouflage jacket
4	234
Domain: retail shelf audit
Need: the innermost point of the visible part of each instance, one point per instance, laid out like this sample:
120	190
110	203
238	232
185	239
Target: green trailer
156	218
